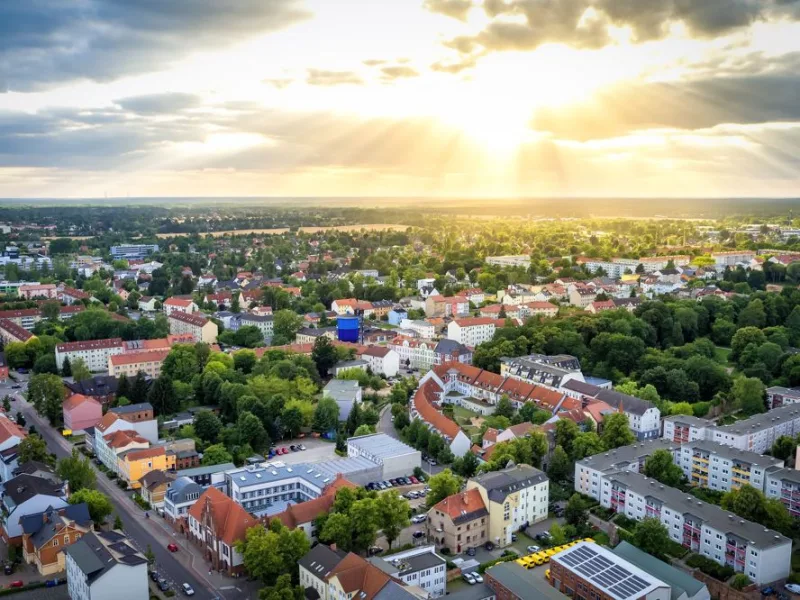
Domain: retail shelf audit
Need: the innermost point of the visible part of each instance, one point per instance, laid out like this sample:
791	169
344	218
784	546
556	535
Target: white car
793	587
477	577
469	578
187	589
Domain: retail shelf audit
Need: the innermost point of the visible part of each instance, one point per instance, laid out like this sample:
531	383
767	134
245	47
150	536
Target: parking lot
317	450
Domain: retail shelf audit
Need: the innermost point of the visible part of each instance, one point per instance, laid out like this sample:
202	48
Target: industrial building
395	458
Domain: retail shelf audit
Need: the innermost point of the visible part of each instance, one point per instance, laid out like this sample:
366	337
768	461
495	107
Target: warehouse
395	458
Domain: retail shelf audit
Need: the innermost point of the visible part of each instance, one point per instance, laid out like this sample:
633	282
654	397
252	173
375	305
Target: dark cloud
457	9
398	72
45	42
330	78
151	104
585	23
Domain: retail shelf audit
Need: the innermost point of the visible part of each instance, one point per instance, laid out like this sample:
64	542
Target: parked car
432	462
187	589
513	537
478	577
16	584
163	585
154	575
532	549
793	587
489	546
768	591
302	446
414	480
8	569
469	578
293	448
172	547
419	518
418	534
373	550
543	536
470	551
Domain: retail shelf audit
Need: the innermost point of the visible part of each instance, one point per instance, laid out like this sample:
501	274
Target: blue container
348	328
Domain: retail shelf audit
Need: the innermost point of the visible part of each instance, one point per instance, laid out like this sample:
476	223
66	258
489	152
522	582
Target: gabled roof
192	319
321	560
463	506
155	478
75	400
230	519
24	487
9	429
499	484
357	575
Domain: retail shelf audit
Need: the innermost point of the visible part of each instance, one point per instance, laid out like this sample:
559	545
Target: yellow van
547	574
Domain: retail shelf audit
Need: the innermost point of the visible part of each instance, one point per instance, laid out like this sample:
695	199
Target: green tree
616	431
162	396
292	420
566	432
504	408
586	444
99	504
251	431
77	470
269	553
392	515
560	467
442	485
181	364
651	537
66	367
244	361
324	355
33	447
557	535
465	466
365	521
364	430
282	590
784	447
207	425
80	372
118	523
140	389
46	393
7	404
748	395
337	530
576	513
659	466
216	455
326	415
285	325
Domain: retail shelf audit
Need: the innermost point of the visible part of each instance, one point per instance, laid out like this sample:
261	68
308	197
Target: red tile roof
9	429
456	505
89	345
177	302
123	437
144	453
230	519
76	400
139	357
193	319
377	351
305	512
359	578
476	321
17	331
423	401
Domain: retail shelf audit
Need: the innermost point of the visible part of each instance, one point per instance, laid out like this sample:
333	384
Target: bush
794	577
604	513
625	522
451	565
740	581
706	495
709	567
487	565
676	550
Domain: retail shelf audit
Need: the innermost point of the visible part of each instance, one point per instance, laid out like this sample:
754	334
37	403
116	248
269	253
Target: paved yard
316	450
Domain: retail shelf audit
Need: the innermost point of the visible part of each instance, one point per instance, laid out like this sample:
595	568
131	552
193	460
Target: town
499	409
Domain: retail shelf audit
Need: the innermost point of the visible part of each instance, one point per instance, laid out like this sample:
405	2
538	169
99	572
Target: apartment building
137	417
759	432
130	364
760	553
732	258
200	328
423	329
354	577
94	353
40	290
264	323
547	371
416	354
11	332
614	268
132	465
184	305
449	351
104	565
520	260
581	297
181	494
472	331
109	447
70	296
446	306
459	522
515	497
28	317
133	251
712	465
420	567
382	360
589	472
644	419
780	396
784	485
316	565
686	428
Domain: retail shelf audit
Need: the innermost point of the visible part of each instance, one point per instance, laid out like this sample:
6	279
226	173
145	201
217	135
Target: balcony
697	457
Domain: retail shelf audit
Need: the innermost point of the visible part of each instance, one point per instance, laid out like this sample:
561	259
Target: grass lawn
459	412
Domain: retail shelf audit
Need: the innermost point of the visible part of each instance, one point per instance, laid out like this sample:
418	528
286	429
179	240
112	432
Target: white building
685	428
264	323
28	495
732	258
644	419
103	565
396	458
722	468
471	331
519	260
420	567
552	372
94	353
759	432
180	497
422	328
417	354
315	566
760	553
382	360
784	485
183	305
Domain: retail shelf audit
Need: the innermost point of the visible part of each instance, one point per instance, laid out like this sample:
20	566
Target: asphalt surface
385	425
165	561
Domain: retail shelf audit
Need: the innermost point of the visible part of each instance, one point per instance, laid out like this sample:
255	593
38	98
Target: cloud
46	42
374	62
457	9
278	83
455	67
167	103
330	78
394	72
527	24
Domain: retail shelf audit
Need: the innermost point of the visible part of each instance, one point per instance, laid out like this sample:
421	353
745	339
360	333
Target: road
178	568
385	425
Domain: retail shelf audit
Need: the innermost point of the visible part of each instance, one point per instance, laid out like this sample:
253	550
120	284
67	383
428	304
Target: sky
439	98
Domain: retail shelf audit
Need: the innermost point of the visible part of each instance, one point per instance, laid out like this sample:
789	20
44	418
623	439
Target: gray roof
321	560
678	580
380	445
629	404
98	552
450	346
24	487
179	488
522	582
132	408
342	389
412	564
784	474
394	591
762	421
689	420
255	318
206	470
155	478
500	484
350	364
621	457
32	466
315	332
714	516
745	456
43	526
480	591
587	389
783	391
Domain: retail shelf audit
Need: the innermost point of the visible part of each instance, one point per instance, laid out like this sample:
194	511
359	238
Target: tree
285	325
66	367
216	455
251	431
364	521
560	466
45	364
33	447
181	364
77	470
150	555
651	537
364	430
337	530
586	444
46	393
140	389
324	355
784	447
162	396
326	415
748	395
504	407
576	514
442	485
269	553
117	523
292	419
616	431
80	372
7	404
207	425
566	432
392	515
659	466
283	589
99	504
557	535
465	466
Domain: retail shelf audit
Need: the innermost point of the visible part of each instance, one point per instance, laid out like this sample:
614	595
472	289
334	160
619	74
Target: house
94	353
153	487
581	297
148	304
12	332
173	304
354	577
131	364
423	329
536	309
420	567
70	296
216	523
136	463
104	565
38	469
472	331
179	497
102	388
40	290
644	418
599	306
108	447
447	351
138	417
47	534
397	315
200	328
345	392
11	434
459	522
304	514
314	568
309	335
27	495
382	360
81	412
516	497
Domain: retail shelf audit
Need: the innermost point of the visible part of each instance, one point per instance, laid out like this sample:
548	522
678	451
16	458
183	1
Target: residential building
382	360
46	535
70	296
592	571
396	458
644	419
109	447
179	497
424	405
209	475
780	396
28	317
722	468
153	487
102	388
397	315
28	495
3	366
148	304
11	332
686	428
303	515
537	309
732	258
104	565
309	335
201	328
81	412
760	553
136	463
345	392
581	297
354	577
446	306
420	567
682	584
448	351
784	485
423	329
184	305
216	523
131	364
552	372
472	331
514	432
264	323
11	434
521	260
137	417
459	522
759	432
348	365
133	251
94	353
40	290
415	354
516	497
315	567
511	581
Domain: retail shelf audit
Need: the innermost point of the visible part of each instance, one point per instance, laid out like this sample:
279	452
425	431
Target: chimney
333	547
465	498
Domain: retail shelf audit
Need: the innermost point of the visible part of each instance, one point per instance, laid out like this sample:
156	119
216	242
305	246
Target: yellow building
135	464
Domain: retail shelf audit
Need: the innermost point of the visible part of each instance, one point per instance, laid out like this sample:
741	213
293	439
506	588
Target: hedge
625	522
709	567
24	588
487	565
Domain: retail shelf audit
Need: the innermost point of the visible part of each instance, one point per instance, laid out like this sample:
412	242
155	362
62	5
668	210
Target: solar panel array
604	573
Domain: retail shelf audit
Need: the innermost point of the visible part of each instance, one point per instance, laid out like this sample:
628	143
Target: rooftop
499	484
762	421
98	552
731	453
380	445
206	470
690	420
620	457
679	581
321	560
522	582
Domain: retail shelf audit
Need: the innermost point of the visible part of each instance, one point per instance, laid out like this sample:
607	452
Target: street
181	567
385	425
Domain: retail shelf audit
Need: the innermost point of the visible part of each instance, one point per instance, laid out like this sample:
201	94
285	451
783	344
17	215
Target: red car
414	480
172	547
16	584
284	450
